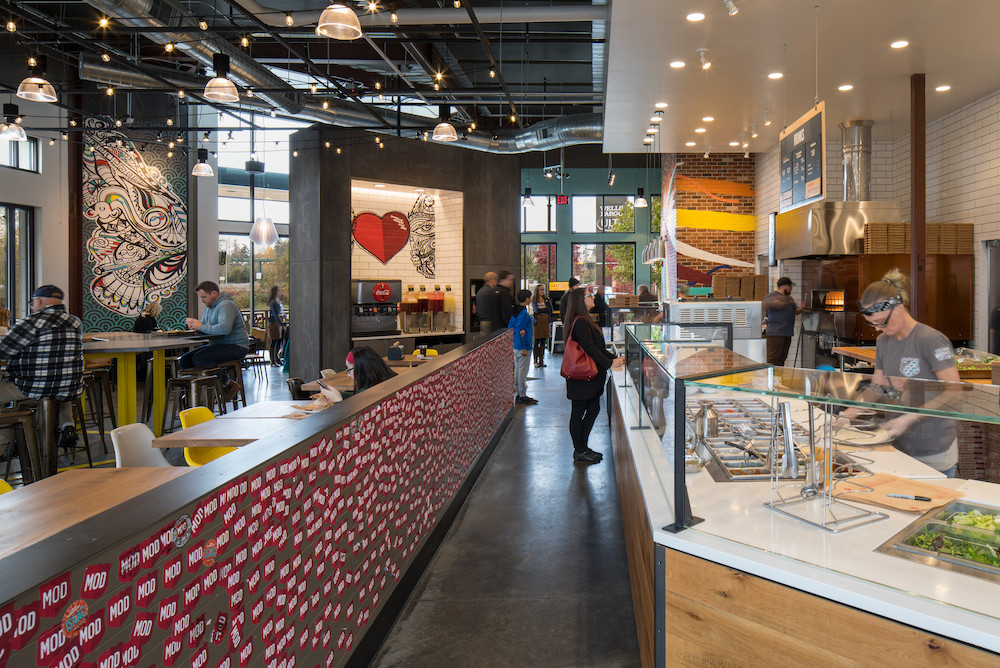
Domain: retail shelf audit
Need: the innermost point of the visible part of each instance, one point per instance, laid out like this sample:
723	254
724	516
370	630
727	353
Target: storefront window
541	216
16	272
611	266
20	154
602	213
270	267
538	264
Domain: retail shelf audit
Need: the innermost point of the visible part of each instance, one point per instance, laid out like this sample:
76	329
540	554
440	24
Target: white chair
134	447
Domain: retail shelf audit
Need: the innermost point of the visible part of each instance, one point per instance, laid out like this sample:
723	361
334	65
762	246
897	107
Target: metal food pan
981	542
946	512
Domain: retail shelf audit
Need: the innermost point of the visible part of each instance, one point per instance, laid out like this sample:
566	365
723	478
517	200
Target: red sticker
142	628
53	644
95	580
192	592
195	556
149	552
200	658
145	590
245	653
181	625
53	595
92	632
167	612
172	572
209	579
119	607
171	650
131	653
196	631
220	628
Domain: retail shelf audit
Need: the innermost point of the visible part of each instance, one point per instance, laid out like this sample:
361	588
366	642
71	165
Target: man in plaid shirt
44	351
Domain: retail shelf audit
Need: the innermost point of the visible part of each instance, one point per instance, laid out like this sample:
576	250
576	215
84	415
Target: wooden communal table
232	432
124	347
44	508
265	409
342	382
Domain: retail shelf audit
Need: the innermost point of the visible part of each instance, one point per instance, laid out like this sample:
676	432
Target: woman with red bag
585	395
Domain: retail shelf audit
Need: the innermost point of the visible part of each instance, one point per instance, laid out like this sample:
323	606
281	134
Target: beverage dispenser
374	307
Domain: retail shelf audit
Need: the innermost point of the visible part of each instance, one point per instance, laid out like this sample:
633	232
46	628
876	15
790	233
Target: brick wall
738	245
447	240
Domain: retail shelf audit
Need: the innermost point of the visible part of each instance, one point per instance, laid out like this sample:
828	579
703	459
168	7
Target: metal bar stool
93	408
190	391
24	446
102	375
48	416
236	367
171	370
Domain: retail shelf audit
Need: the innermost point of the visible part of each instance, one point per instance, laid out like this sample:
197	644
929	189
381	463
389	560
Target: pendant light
202	168
35	87
526	200
640	201
11	129
221	89
339	22
263	232
444	131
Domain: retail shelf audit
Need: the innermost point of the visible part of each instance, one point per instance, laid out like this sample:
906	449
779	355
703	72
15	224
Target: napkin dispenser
395	351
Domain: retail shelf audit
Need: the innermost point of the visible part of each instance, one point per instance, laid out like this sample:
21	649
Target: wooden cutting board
886	483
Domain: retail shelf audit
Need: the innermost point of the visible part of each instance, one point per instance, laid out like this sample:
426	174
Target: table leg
126	388
159	390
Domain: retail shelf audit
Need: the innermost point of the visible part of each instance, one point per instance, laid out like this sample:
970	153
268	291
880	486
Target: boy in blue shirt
524	336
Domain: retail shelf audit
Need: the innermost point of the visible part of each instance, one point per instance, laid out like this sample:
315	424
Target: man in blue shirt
780	310
524	339
223	324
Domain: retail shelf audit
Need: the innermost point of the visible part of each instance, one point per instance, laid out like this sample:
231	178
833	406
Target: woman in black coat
585	395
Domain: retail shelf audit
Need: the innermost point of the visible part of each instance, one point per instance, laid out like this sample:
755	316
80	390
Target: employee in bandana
906	348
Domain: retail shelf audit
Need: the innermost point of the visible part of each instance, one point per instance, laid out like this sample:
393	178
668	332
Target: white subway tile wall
448	249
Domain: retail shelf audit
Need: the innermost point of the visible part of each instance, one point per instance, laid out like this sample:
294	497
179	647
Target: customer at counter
505	298
906	348
573	282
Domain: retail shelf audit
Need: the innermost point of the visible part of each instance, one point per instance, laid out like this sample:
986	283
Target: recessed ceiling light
900	44
419	190
380	185
944	88
845	87
689	143
699	129
734	143
661	105
775	75
695	16
707	119
677	64
655	119
652	130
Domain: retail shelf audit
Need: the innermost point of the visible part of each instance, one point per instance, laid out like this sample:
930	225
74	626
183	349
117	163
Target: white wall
46	192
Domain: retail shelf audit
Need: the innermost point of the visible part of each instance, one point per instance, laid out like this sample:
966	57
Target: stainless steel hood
829	228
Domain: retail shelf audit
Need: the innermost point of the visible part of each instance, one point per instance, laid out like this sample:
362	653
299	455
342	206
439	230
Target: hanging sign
802	175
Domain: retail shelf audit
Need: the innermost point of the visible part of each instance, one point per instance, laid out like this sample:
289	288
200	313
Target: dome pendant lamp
640	201
11	129
34	87
339	22
444	131
221	89
202	168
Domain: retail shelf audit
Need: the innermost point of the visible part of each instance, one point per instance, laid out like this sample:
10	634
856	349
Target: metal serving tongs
789	460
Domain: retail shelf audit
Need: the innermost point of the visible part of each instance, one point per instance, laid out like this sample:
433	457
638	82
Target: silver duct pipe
542	136
857	139
136	13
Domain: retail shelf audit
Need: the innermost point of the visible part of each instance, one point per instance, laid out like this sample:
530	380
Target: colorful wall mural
135	228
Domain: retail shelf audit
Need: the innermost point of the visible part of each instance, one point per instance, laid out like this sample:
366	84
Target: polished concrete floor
533	571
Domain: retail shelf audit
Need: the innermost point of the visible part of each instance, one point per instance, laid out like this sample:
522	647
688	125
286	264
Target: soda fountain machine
374	306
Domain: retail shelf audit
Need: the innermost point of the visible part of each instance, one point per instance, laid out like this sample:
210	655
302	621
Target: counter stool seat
188	391
46	424
24	446
236	369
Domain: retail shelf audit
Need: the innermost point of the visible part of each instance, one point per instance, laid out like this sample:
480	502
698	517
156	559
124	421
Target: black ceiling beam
493	62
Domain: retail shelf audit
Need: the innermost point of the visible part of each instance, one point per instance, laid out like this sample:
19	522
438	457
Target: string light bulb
11	26
180	93
378	85
513	118
289	21
338	150
493	73
295	154
32	61
244	41
326	104
170	121
372	6
312	89
202	24
103	22
393	17
106	57
109	91
168	47
118	122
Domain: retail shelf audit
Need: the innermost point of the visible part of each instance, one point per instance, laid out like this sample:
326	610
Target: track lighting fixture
221	89
705	62
707	153
640	200
249	92
202	168
753	131
647	140
733	10
273	113
746	153
11	129
205	137
767	117
526	200
338	22
34	87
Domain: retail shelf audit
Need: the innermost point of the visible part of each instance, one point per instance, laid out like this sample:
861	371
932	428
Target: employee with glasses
906	348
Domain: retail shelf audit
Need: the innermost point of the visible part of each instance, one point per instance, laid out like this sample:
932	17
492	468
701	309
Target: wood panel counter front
43	509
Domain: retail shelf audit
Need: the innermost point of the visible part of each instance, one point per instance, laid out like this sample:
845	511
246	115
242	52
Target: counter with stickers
298	549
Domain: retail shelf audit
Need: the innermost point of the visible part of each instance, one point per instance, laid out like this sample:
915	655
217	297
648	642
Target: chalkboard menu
802	176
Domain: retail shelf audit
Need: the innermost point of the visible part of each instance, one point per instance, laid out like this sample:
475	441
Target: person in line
585	395
275	324
223	324
367	368
906	348
505	297
600	308
573	282
44	354
523	330
486	303
146	322
780	310
541	311
645	295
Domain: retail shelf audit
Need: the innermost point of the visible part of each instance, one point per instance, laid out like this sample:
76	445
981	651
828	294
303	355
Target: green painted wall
591	182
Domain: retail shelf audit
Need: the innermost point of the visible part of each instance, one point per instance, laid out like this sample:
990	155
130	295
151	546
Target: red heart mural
382	237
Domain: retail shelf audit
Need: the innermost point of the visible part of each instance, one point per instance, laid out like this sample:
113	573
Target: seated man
44	354
223	324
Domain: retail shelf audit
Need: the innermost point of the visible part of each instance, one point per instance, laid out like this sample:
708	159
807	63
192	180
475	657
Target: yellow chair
5	487
200	456
431	352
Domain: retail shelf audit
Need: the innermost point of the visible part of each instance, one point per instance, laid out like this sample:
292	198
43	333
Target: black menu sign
802	166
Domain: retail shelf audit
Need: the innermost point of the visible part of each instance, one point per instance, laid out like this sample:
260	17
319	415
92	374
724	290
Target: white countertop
739	532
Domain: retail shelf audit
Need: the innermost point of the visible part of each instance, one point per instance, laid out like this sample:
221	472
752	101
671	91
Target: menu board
802	167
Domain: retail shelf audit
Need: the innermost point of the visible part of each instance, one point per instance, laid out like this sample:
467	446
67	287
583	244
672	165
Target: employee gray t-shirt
922	353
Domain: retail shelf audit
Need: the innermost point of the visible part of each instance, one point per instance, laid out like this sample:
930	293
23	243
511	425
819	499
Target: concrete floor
533	571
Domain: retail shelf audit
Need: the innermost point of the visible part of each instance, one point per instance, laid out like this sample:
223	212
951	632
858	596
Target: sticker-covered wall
287	564
407	234
135	228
